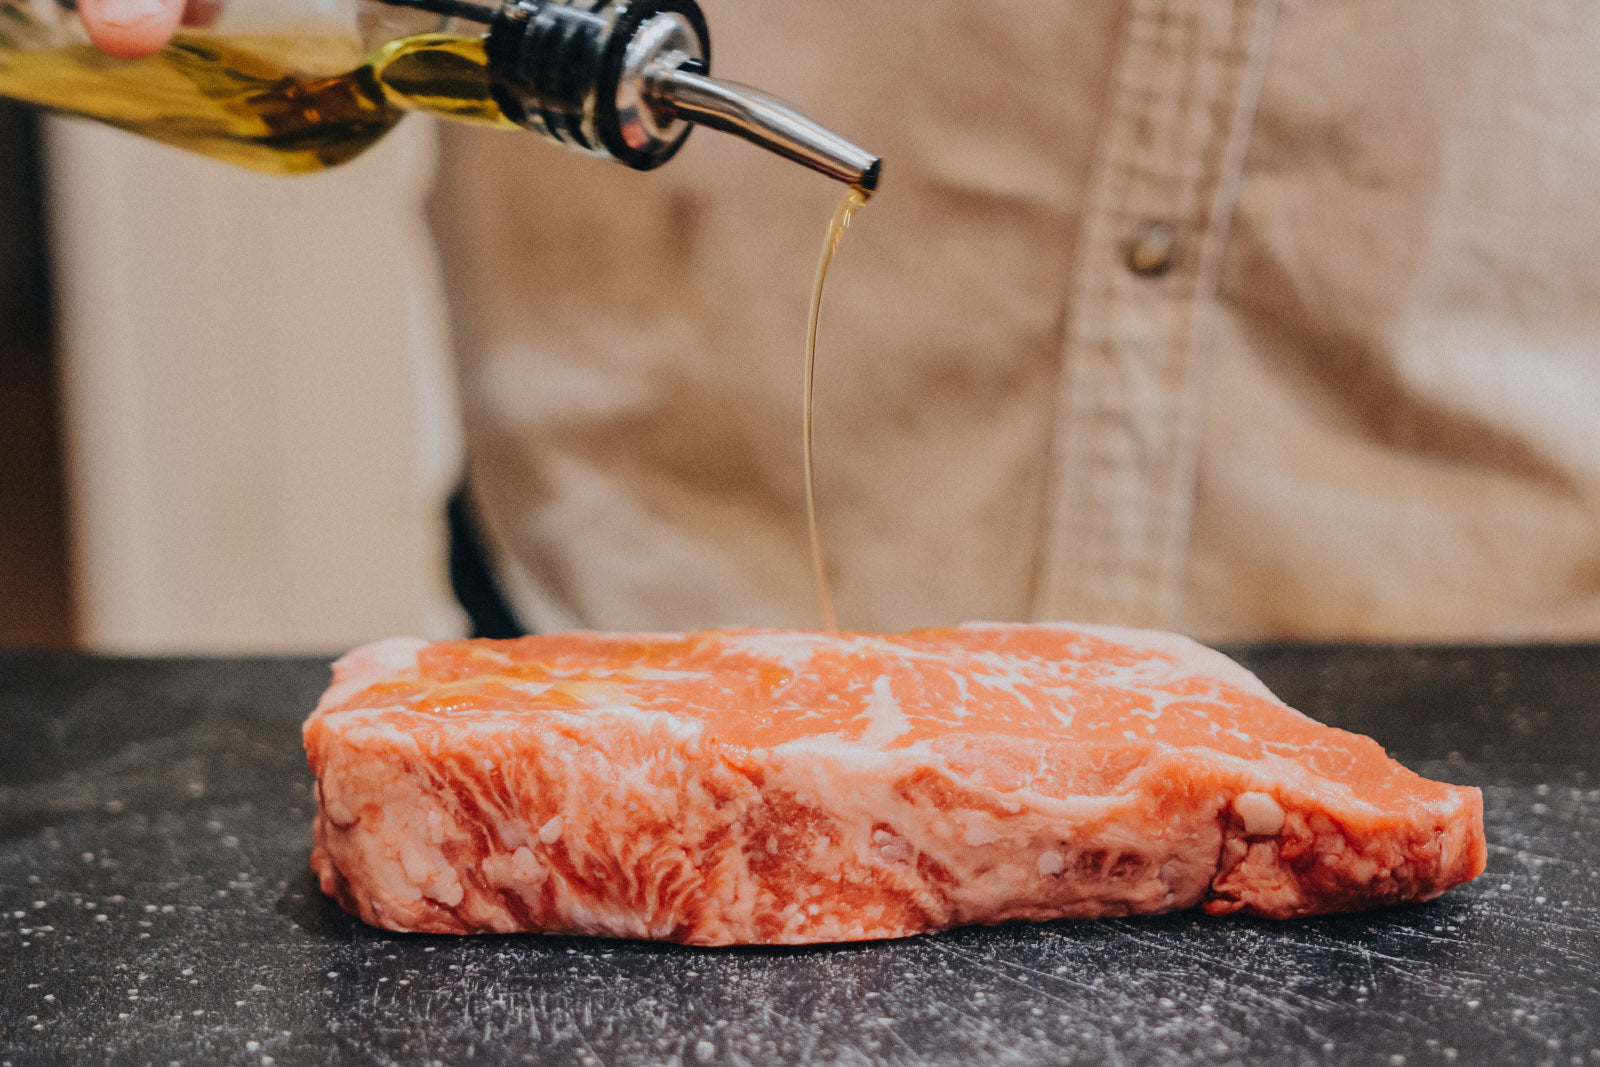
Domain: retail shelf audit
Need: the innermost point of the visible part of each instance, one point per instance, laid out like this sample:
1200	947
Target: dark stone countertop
155	908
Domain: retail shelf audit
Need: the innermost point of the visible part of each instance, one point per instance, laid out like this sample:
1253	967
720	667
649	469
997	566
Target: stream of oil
853	201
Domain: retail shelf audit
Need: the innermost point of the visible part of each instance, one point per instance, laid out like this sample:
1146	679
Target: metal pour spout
629	79
761	119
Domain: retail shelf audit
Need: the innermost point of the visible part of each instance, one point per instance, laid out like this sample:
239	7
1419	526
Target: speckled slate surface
154	828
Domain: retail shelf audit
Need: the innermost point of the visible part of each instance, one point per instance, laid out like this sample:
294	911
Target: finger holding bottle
129	29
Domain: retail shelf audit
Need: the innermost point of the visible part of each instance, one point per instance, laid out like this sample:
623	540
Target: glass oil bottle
289	86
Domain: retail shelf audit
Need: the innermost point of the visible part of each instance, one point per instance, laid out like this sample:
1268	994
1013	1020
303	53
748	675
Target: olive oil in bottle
260	101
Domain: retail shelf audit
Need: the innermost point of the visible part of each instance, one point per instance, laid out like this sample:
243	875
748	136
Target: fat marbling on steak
784	787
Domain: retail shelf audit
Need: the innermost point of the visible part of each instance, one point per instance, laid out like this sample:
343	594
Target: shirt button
1151	248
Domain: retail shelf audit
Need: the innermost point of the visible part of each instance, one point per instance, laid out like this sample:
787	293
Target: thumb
129	29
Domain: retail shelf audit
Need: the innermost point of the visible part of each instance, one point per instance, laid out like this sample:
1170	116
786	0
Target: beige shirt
1362	401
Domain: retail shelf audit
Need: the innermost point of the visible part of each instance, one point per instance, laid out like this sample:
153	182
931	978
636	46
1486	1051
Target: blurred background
225	404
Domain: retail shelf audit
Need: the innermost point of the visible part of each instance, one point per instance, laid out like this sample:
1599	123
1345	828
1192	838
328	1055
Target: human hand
130	29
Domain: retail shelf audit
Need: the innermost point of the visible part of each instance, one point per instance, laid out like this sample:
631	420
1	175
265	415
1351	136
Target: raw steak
783	787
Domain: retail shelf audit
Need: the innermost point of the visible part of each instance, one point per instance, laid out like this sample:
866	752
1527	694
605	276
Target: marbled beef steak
785	787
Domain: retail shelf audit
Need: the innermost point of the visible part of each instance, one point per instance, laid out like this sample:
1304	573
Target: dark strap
471	577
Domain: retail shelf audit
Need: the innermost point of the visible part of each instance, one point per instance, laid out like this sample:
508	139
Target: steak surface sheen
786	787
